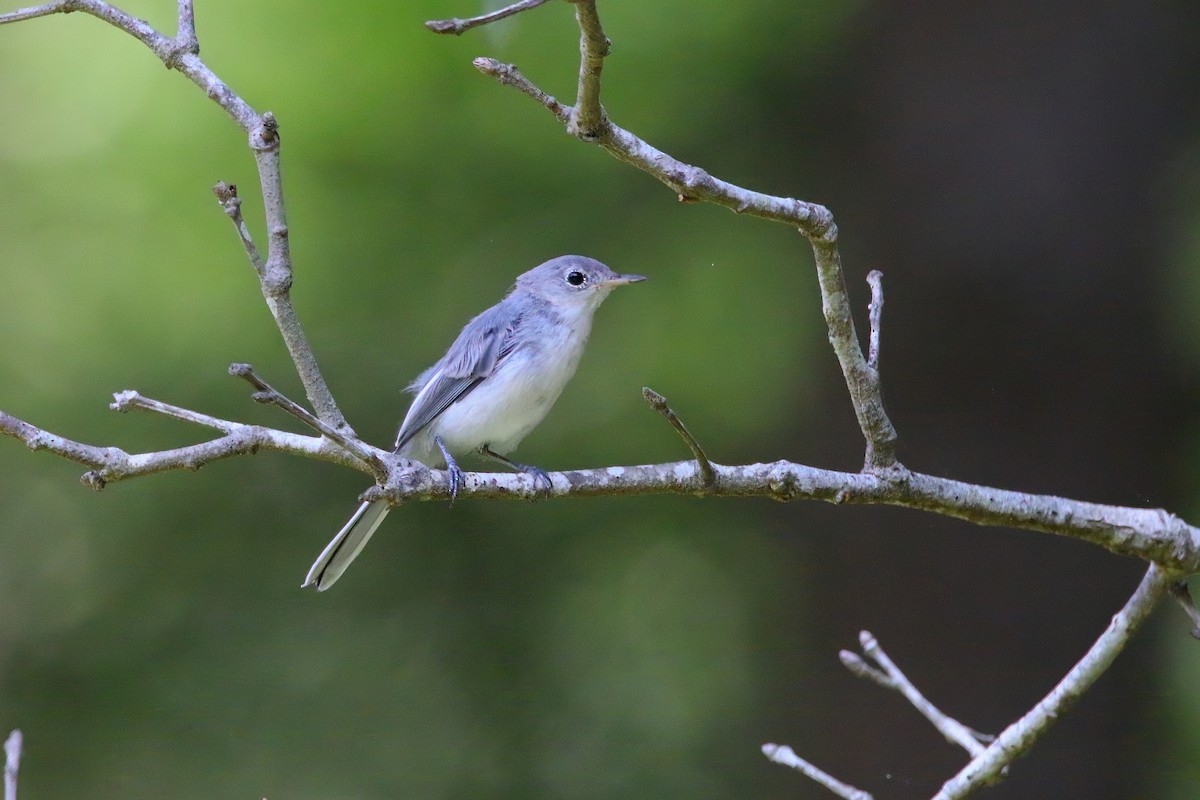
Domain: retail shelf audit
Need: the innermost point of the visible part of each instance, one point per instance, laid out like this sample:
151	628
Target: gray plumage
493	386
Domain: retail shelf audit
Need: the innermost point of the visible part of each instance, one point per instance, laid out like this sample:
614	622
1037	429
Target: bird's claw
456	478
454	475
541	480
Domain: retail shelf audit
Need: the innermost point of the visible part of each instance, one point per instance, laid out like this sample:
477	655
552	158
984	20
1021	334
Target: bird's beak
621	280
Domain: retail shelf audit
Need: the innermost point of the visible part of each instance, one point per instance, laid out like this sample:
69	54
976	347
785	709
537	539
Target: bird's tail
346	546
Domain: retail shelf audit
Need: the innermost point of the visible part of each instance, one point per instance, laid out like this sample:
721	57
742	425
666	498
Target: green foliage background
153	638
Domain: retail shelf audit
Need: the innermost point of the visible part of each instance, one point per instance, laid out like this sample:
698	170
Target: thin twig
270	395
131	399
889	676
231	204
509	75
875	316
782	754
1184	597
708	477
114	464
1020	736
12	763
458	26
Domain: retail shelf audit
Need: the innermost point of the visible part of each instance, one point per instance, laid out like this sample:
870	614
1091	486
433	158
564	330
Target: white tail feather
346	546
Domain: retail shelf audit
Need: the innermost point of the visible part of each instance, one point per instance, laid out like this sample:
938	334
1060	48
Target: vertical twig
186	40
275	274
587	117
861	380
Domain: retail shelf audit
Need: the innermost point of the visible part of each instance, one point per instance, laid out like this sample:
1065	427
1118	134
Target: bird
494	385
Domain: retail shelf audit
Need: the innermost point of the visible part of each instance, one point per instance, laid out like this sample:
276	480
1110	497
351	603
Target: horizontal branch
1150	534
109	464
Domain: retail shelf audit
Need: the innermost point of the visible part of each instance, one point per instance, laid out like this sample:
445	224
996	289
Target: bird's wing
484	342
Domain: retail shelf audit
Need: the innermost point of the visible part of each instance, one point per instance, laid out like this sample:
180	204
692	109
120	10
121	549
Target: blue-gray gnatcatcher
494	385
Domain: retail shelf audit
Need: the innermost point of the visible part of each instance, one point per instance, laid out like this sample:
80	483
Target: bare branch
659	403
458	26
114	464
12	763
1020	736
889	676
1149	534
782	754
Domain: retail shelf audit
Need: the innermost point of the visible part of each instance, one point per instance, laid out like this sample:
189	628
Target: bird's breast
515	398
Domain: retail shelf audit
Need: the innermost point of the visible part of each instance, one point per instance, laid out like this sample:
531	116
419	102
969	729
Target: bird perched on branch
494	385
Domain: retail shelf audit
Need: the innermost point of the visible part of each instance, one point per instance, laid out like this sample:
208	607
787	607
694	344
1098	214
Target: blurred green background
1024	174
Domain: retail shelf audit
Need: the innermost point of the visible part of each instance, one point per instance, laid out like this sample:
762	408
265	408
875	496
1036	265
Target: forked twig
270	395
889	676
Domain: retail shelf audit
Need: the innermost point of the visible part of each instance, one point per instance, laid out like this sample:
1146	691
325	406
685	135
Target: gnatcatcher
494	385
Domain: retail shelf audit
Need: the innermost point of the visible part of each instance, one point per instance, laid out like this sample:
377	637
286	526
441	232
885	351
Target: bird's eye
576	278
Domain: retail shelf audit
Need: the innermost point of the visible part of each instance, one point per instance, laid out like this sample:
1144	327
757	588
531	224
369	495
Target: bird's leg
540	477
456	476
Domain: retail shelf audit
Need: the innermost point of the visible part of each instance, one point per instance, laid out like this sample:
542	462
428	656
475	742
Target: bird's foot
541	479
454	473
